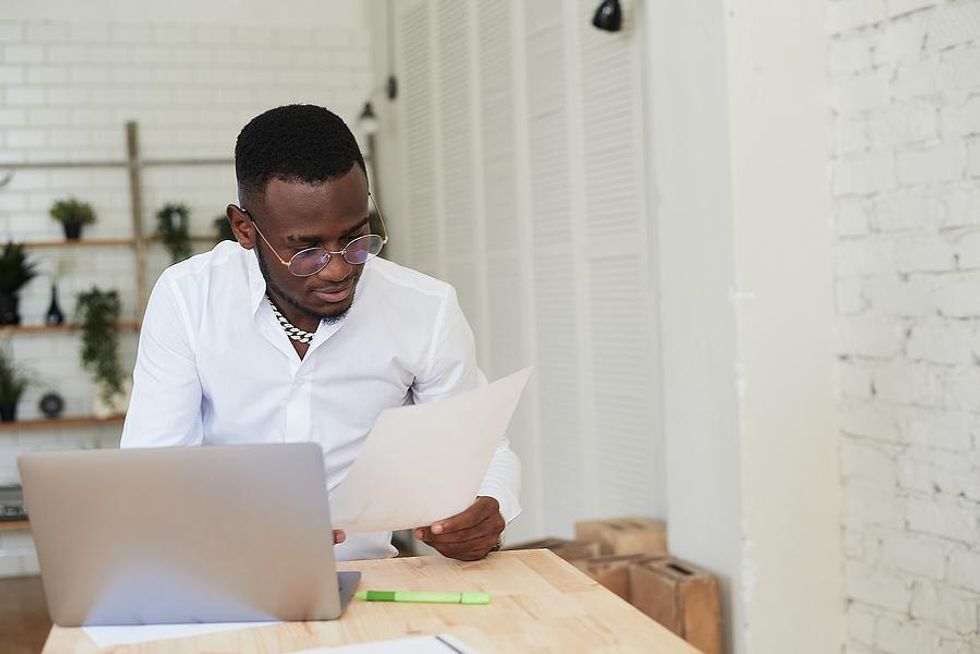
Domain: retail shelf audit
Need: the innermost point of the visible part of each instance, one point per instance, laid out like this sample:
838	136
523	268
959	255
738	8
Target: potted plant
98	320
15	271
173	230
73	215
13	383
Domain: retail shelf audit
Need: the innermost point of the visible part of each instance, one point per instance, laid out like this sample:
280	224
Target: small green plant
223	229
73	214
98	318
15	271
173	230
15	268
13	383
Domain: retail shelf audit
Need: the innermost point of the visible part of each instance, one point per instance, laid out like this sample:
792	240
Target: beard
281	294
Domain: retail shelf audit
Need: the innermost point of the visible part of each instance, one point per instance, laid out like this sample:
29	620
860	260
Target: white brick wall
906	172
66	90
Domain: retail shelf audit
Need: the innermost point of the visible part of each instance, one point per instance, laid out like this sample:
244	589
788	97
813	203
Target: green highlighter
430	598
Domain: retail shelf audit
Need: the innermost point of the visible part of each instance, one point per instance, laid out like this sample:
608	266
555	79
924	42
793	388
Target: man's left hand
467	536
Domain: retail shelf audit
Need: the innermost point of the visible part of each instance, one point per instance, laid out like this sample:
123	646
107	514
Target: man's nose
336	270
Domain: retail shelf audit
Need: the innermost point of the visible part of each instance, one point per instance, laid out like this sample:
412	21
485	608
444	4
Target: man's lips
332	294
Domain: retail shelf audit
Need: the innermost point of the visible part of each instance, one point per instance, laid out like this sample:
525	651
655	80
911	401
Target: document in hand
425	462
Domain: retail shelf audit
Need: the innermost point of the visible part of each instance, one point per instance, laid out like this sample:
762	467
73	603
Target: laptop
236	533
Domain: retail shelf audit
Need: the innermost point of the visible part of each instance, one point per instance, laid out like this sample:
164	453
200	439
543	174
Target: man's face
294	216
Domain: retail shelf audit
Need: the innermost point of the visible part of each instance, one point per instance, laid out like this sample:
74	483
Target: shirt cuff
510	507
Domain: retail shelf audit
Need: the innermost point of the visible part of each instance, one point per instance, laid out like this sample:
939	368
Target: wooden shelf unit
80	243
195	238
61	423
140	240
110	242
54	329
15	525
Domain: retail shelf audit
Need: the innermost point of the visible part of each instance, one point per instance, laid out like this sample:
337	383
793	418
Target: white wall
906	181
737	108
192	74
689	149
784	306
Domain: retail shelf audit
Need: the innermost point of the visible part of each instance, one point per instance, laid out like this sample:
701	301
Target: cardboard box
625	535
681	597
570	550
613	572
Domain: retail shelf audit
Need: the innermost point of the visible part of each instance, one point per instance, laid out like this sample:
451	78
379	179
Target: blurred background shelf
86	242
110	242
195	238
53	329
15	525
61	423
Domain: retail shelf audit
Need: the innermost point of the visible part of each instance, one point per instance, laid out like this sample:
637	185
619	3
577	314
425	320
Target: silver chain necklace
291	330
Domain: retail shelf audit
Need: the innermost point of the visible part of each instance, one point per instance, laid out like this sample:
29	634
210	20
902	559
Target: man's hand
467	536
339	536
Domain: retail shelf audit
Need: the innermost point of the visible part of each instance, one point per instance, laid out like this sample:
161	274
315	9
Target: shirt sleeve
165	409
451	369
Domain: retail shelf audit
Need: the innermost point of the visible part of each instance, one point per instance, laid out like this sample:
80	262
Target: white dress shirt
215	367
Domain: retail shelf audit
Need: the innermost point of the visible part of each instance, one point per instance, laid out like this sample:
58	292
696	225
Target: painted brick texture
905	78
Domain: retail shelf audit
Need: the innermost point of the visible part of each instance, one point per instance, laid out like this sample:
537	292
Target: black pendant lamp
368	121
609	16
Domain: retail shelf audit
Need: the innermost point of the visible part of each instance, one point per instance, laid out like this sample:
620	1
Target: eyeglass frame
330	253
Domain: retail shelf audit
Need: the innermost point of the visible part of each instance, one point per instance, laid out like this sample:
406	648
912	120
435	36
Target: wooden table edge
87	645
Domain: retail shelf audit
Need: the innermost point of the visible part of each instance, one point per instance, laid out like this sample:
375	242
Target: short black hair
296	142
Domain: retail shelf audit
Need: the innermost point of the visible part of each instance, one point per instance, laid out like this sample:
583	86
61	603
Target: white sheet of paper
422	463
441	644
111	636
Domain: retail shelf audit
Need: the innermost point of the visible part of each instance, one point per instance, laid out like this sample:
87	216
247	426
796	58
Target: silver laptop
177	535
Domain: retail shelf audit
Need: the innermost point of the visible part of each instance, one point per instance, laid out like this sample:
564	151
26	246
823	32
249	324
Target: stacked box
681	597
570	550
613	572
623	536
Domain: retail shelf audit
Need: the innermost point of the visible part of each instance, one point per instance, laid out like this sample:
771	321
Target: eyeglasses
312	260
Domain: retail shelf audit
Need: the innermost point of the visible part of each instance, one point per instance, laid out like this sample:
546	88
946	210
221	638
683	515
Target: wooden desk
540	604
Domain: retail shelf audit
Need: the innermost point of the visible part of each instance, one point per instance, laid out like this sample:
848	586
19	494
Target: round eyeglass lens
309	262
363	248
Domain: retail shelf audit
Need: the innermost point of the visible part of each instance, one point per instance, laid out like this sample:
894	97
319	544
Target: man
297	333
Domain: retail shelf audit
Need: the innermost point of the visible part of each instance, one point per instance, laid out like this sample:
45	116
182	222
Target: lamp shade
609	16
368	121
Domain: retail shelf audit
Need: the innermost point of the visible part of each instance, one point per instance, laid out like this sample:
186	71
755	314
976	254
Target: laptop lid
176	535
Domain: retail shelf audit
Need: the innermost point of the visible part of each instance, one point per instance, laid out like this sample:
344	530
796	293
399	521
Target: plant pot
9	309
8	413
51	405
115	405
73	231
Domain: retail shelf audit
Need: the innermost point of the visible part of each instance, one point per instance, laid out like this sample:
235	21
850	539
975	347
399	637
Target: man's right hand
339	536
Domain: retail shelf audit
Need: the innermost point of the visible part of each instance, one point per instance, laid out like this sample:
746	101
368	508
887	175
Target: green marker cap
377	595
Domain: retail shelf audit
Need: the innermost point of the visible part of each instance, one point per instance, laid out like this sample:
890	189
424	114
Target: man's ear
241	226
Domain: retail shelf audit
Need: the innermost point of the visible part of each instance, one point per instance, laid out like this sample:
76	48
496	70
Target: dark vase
54	316
9	309
73	231
8	412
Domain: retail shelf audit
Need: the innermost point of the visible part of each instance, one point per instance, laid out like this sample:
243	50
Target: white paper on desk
111	636
422	463
441	644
